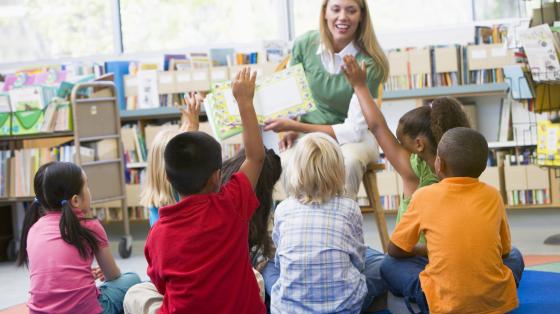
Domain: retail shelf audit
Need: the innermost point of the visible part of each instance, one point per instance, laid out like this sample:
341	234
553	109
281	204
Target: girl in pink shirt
59	243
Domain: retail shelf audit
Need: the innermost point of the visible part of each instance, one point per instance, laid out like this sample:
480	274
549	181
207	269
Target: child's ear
440	167
75	201
419	144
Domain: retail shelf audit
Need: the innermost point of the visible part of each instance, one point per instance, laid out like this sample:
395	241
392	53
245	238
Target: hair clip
63	202
36	201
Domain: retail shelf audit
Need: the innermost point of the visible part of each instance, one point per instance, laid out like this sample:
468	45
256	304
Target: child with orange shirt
467	233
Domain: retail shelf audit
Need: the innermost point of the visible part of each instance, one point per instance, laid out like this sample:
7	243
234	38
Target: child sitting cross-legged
320	253
197	252
466	228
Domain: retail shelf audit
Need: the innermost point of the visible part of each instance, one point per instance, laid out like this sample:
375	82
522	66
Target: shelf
508	144
16	199
98	138
37	136
94	100
136	165
100	162
455	91
152	113
544	206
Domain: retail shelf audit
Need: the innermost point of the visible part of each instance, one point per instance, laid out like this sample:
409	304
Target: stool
372	192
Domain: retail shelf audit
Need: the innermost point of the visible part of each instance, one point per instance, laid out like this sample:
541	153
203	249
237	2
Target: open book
284	94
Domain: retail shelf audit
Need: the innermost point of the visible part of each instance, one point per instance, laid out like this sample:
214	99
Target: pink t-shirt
61	280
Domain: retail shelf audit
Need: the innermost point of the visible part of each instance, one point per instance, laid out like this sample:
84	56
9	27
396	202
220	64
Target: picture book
284	94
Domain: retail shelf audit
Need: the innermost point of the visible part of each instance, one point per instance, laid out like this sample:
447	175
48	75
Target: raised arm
190	115
397	155
243	88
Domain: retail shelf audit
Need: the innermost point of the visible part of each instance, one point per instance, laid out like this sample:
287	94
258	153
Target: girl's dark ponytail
447	113
72	232
33	213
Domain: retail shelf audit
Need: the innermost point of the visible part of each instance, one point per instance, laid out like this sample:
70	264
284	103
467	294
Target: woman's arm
397	155
287	125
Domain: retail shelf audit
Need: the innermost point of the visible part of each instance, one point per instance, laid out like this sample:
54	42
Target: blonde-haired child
320	253
157	191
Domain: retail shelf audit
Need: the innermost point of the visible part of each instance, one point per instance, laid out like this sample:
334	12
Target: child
157	191
197	252
260	243
58	245
320	251
412	153
467	234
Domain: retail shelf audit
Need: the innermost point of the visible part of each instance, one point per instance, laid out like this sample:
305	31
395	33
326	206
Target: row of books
528	197
110	214
412	68
133	143
18	167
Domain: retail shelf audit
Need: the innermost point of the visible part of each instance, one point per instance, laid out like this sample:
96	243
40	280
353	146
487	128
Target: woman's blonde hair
315	171
365	37
157	190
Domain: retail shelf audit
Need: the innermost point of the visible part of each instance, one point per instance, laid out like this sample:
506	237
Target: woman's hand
280	125
288	140
190	115
355	75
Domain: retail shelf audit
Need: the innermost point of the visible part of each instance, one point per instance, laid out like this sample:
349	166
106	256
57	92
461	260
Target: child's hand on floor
355	75
190	115
243	87
97	273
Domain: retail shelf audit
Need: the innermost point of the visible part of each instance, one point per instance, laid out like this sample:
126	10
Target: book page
277	97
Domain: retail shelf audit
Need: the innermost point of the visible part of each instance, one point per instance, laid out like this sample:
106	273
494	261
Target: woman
345	29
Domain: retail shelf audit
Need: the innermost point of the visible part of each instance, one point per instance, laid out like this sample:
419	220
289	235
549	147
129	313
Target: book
538	43
222	56
119	70
284	94
517	81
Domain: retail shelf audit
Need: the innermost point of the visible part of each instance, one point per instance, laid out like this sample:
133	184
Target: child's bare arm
190	115
107	263
243	88
397	155
397	252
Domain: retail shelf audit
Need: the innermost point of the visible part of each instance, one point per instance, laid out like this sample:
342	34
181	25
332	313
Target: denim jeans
375	284
112	292
402	276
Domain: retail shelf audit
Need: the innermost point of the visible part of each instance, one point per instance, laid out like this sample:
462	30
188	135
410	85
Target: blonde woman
320	252
345	28
157	191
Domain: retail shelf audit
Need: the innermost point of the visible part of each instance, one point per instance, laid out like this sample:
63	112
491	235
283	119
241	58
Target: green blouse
331	92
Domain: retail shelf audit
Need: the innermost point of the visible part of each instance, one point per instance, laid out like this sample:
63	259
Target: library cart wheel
11	250
125	247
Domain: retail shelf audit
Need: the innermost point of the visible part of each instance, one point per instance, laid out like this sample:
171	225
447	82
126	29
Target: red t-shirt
198	256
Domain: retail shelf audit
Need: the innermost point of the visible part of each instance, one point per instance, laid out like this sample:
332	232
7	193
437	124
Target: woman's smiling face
343	18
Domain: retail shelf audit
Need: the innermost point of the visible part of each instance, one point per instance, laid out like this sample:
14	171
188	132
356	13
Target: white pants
356	158
144	298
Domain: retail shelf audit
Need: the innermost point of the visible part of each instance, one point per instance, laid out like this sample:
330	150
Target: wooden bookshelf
37	136
152	113
455	91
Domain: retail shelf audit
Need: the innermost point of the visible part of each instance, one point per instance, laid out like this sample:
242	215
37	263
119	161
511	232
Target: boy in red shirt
197	252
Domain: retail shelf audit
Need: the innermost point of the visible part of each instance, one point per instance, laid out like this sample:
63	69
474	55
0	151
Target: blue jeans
375	284
402	276
112	292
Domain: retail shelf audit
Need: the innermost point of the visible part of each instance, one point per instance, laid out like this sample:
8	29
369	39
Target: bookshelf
455	91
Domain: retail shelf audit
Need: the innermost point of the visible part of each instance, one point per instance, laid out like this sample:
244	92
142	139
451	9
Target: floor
529	229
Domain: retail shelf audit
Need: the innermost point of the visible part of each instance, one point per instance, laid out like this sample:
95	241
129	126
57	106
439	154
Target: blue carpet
539	292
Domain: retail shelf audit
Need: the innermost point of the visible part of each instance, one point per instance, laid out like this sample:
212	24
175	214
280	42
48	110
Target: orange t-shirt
467	233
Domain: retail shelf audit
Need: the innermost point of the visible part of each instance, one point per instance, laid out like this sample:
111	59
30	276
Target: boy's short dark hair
190	160
465	152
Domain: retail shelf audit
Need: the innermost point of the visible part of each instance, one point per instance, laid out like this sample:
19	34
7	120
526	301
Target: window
174	24
392	15
38	29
